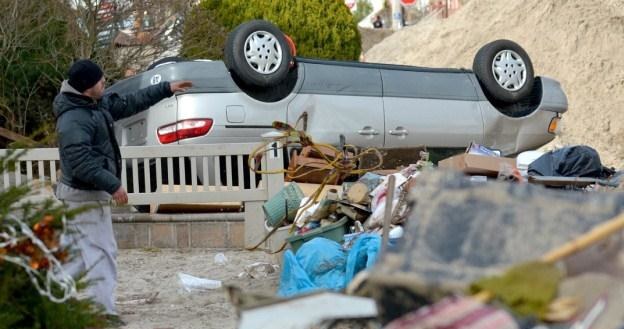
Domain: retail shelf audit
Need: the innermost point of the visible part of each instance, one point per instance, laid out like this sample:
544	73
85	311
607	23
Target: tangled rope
342	164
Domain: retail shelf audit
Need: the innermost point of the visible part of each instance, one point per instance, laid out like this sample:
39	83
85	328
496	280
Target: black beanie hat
84	74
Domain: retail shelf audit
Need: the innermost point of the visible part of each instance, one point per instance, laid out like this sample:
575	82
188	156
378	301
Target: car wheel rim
263	52
509	70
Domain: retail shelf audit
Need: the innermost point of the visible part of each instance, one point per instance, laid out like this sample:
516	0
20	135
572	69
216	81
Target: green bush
364	8
22	306
319	28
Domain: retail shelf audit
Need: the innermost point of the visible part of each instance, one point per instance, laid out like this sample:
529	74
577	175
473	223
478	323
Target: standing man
91	170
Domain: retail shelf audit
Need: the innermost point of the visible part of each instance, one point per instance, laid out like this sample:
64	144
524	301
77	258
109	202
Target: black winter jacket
90	157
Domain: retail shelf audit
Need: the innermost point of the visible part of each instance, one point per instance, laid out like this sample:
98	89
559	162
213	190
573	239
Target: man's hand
120	196
180	86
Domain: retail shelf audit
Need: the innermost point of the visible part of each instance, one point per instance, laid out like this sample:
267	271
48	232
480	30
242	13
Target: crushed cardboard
476	164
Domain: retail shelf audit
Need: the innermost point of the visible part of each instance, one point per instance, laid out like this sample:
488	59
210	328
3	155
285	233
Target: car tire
504	71
267	63
166	60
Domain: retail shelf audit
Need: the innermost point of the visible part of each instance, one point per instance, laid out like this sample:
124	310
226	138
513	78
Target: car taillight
183	129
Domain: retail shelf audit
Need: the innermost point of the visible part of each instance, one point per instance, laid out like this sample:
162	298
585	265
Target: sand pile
578	42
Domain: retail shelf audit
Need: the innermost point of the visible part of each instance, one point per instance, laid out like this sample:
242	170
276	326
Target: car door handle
368	131
399	131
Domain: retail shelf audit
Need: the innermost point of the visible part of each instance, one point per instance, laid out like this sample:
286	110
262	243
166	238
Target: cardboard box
476	164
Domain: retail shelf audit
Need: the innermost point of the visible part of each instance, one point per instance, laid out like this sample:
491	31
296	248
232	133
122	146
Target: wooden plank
194	173
18	173
187	150
170	172
205	181
29	171
241	177
124	173
198	197
182	171
217	171
135	175
228	171
35	154
252	174
158	175
7	179
200	207
147	176
309	188
53	172
41	172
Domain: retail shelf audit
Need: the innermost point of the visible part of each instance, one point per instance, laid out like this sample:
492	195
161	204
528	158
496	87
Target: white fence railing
177	174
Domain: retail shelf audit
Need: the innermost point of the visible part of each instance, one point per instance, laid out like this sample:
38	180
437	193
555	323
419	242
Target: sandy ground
577	42
156	270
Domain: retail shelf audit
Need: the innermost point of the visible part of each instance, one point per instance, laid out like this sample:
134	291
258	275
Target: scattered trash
260	270
283	205
139	299
574	161
311	166
378	202
455	312
465	231
509	173
527	288
462	231
323	264
303	312
476	164
334	232
359	191
220	259
478	179
396	232
192	283
524	159
304	213
479	149
318	264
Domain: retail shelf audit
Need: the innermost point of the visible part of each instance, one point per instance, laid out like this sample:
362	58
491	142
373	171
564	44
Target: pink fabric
455	313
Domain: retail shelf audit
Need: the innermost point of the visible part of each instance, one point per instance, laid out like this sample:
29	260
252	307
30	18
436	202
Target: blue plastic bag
363	255
323	264
319	264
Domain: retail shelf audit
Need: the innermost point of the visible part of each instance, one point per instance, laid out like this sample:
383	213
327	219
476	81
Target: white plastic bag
192	283
220	259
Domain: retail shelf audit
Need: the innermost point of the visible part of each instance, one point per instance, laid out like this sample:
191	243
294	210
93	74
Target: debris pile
454	236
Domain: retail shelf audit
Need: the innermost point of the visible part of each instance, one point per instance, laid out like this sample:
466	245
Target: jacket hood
69	98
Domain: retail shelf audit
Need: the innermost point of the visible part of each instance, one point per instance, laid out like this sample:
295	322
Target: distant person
377	23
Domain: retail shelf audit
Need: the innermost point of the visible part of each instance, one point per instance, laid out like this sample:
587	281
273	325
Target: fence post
254	215
275	182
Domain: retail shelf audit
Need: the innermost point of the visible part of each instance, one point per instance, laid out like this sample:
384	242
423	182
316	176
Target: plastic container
287	198
333	232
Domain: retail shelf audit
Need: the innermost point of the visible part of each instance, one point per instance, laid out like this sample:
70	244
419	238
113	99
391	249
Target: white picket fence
217	174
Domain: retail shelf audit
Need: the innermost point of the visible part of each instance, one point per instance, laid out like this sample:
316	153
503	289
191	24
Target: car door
340	98
436	108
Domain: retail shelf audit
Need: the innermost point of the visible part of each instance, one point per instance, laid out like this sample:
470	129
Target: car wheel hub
263	52
509	70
